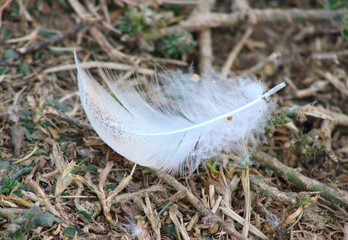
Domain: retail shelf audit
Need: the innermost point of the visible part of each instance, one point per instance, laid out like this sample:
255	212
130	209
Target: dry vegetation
58	180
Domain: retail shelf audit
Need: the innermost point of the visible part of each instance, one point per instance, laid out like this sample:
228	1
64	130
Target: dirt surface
59	180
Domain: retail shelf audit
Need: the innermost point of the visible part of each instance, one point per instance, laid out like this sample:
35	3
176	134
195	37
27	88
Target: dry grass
66	183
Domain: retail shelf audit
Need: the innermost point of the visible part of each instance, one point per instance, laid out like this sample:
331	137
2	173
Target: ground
59	180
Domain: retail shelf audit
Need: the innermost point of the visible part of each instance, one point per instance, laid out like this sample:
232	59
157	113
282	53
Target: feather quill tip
172	123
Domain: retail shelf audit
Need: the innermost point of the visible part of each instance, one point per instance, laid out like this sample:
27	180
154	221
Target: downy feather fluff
178	121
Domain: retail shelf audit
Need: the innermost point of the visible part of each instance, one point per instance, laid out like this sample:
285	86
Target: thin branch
255	16
287	198
247	200
233	54
334	195
204	38
53	112
261	16
2	8
110	65
50	41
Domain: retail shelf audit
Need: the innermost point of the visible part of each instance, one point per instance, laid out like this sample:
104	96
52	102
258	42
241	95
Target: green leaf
336	4
15	8
92	169
5	190
32	212
70	231
8	34
110	187
32	136
25	114
23	170
4	164
79	166
46	219
68	138
10	54
38	153
85	215
136	20
8	184
59	106
171	228
47	32
345	26
24	68
177	45
3	70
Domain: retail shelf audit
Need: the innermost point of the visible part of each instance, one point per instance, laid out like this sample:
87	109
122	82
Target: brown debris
17	139
65	169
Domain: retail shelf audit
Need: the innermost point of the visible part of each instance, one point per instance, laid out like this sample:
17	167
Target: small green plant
278	119
214	165
345	26
309	144
243	162
336	5
19	227
136	20
176	45
8	185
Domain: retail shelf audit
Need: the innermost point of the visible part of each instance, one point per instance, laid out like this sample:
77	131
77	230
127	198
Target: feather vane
177	121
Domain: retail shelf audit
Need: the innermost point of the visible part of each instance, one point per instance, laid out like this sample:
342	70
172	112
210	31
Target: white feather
177	122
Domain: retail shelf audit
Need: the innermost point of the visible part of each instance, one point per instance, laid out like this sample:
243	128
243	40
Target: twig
30	37
50	41
232	214
233	54
305	183
80	10
107	198
204	39
11	213
175	215
23	10
258	16
329	55
320	112
27	156
150	214
338	118
261	16
44	197
326	129
105	44
110	65
205	52
247	199
287	198
196	203
340	86
163	60
313	89
262	63
139	194
66	118
3	7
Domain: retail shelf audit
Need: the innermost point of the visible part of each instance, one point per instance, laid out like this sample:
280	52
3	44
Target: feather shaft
264	96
